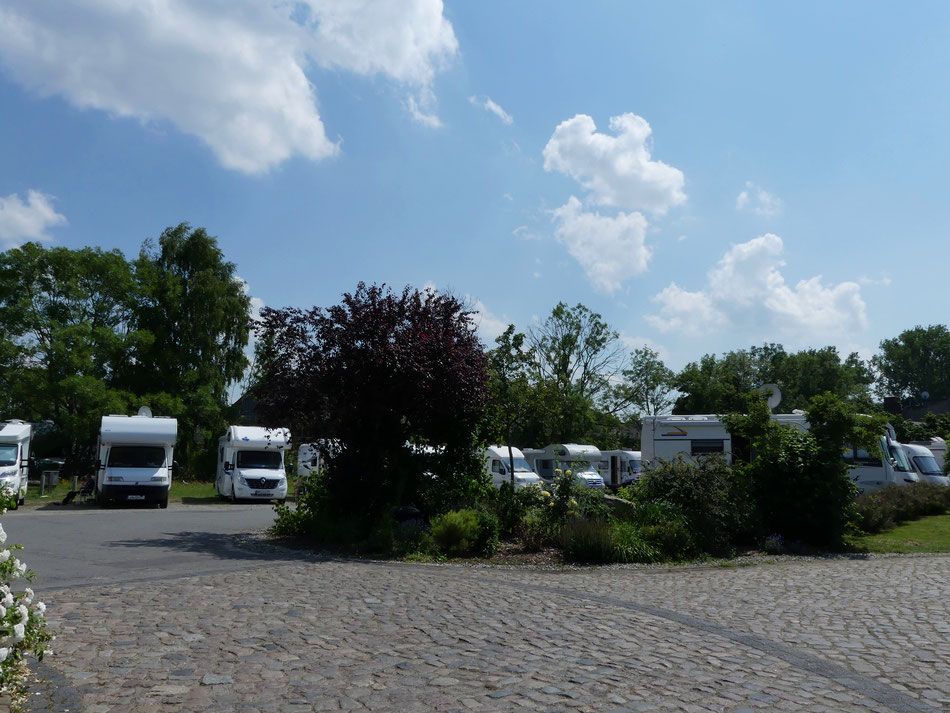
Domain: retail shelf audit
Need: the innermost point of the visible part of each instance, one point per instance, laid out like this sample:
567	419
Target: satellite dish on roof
772	393
145	412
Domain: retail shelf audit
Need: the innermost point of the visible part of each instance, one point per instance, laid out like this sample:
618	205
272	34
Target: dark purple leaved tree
372	373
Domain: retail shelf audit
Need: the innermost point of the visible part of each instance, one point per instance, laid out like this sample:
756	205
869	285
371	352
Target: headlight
114	479
242	480
158	478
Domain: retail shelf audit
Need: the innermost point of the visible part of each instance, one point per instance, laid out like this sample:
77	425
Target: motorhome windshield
136	457
521	466
258	459
927	465
8	455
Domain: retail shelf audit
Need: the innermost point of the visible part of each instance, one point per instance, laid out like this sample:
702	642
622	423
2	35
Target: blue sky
707	176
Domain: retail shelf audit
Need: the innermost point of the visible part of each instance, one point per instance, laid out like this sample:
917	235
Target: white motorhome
135	458
15	458
251	463
581	460
668	437
620	468
924	464
498	466
938	449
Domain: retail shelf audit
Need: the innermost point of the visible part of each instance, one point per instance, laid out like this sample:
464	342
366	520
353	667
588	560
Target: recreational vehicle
938	449
251	463
15	458
924	464
581	460
135	458
498	466
620	468
669	437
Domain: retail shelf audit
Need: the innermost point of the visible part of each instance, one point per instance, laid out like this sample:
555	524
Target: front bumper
131	493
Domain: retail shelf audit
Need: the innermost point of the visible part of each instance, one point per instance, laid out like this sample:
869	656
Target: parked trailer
579	459
251	463
499	468
688	436
15	436
135	458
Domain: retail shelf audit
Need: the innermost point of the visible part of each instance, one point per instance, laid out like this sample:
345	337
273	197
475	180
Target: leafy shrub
411	537
456	532
512	504
486	544
666	529
890	506
536	531
705	493
589	541
630	544
774	544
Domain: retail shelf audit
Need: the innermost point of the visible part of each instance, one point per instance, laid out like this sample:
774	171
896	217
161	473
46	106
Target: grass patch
928	534
189	493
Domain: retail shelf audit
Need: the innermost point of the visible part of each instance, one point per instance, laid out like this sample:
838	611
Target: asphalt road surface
83	545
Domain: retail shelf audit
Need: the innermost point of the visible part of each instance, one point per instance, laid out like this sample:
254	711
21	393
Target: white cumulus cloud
616	170
610	249
488	105
759	201
230	73
747	293
30	220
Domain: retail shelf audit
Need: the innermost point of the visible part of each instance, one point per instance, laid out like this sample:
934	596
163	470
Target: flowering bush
22	625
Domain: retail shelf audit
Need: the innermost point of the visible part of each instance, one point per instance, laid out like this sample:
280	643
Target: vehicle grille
262	483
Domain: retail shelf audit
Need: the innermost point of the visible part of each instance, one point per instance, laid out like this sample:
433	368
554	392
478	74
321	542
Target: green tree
915	362
198	315
576	358
719	385
66	323
509	388
648	382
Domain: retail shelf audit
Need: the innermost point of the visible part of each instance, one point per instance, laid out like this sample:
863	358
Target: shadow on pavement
220	545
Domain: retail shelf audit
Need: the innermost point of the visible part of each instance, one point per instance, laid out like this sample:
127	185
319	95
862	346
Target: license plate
260	492
135	497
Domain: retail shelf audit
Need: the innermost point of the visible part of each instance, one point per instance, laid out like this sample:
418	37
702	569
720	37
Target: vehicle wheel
163	503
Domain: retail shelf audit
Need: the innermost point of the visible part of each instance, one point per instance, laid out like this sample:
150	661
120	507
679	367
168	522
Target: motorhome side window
862	457
258	459
136	457
8	455
496	467
705	446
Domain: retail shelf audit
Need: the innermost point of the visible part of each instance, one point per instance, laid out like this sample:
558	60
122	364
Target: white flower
28	595
3	611
4	653
7	601
4	555
24	614
3	535
40	607
19	632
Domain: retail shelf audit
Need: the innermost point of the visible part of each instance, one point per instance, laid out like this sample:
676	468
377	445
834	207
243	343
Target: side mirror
227	466
98	465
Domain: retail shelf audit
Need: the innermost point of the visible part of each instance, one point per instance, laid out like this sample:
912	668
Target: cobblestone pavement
839	635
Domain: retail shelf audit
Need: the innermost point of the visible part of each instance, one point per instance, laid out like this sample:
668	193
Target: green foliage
893	505
648	382
511	506
704	491
798	482
457	532
588	541
720	385
915	361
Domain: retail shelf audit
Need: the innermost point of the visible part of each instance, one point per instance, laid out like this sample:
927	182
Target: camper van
924	464
688	436
15	458
309	460
499	467
251	463
581	460
620	468
938	449
135	458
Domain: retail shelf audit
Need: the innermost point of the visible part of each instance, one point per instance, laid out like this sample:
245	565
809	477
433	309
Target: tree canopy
915	362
